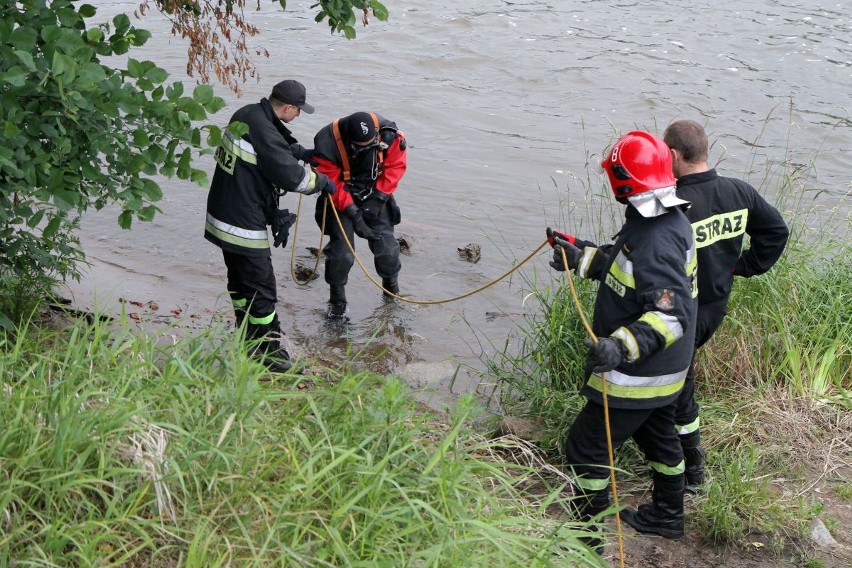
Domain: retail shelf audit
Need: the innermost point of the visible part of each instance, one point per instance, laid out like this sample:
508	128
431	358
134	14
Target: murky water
507	107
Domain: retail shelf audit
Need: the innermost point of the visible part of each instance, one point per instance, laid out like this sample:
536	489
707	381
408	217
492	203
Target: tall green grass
774	382
121	449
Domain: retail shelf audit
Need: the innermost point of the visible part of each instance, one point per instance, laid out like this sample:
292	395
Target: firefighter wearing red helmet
644	319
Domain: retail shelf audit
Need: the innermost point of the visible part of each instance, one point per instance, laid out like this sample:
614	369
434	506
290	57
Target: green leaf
6	323
52	227
58	65
134	68
140	37
121	23
214	135
16	76
33	221
379	10
125	220
156	74
203	94
174	91
151	190
199	177
26	58
146	213
87	10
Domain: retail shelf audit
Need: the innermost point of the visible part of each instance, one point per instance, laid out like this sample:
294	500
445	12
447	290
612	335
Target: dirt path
694	551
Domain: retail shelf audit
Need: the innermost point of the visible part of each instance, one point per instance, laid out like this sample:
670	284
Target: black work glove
330	187
572	254
606	354
358	223
307	154
281	227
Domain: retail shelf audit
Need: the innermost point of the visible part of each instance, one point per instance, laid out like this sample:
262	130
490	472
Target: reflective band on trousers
235	235
684	429
629	386
265	320
592	484
668	469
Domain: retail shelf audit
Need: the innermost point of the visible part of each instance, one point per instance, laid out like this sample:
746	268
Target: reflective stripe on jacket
723	211
646	300
250	171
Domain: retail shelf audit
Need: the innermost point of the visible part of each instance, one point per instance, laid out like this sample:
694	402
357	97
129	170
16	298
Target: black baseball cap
293	93
358	128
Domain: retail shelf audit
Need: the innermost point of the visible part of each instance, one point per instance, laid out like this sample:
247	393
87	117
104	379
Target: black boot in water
390	285
664	515
337	302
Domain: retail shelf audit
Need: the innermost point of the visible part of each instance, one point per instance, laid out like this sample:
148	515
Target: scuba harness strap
341	148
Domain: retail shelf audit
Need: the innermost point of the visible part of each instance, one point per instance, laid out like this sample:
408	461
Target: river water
507	106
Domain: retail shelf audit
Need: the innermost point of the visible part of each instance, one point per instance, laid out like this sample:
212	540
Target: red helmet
638	162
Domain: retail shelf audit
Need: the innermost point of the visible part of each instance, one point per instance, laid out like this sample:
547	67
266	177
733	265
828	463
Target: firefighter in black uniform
723	211
252	171
644	317
365	155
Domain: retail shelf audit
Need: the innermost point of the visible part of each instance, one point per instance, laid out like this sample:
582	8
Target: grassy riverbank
775	386
121	449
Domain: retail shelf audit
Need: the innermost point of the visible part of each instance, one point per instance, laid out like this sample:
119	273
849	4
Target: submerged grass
120	450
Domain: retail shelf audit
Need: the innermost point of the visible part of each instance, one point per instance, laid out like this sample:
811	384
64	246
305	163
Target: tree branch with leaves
217	32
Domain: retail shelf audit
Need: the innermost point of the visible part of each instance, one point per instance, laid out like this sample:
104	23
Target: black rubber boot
693	457
275	357
337	302
590	506
270	350
390	285
664	515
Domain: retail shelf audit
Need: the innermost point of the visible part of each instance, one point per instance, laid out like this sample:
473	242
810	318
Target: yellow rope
293	246
609	449
377	283
465	295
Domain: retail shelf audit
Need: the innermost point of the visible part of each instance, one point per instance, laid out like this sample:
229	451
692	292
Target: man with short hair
723	211
252	172
364	154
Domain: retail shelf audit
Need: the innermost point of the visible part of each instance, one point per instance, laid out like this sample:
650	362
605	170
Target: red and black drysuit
369	183
646	301
250	173
723	211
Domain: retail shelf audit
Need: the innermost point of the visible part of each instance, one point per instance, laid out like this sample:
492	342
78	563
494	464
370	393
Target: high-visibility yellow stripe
246	238
240	148
637	392
719	227
265	320
586	261
629	342
590	485
668	469
235	240
685	429
667	326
